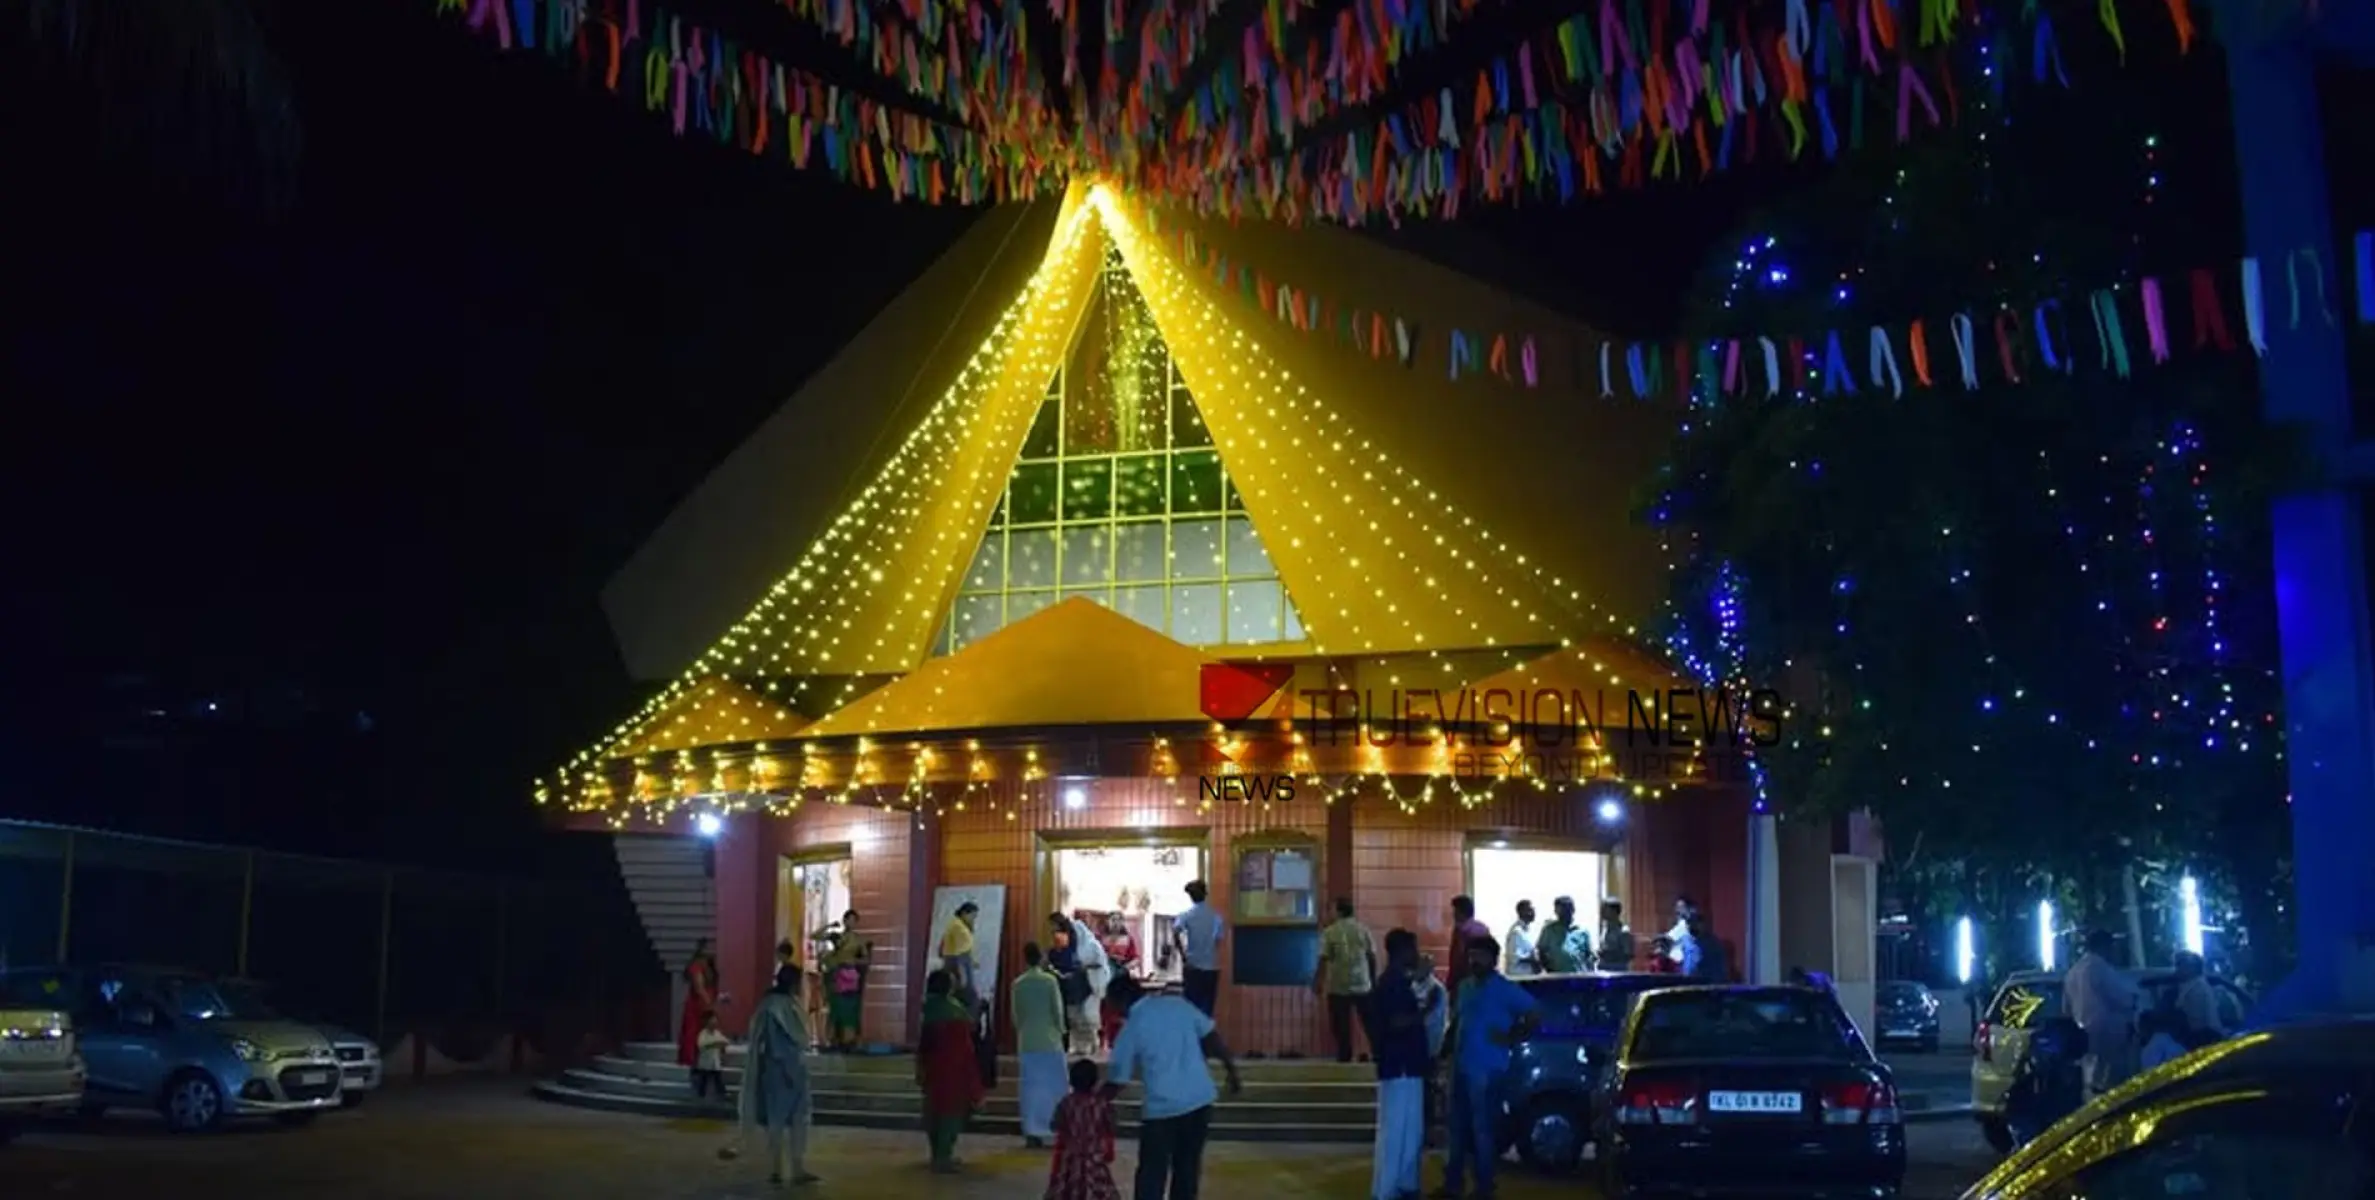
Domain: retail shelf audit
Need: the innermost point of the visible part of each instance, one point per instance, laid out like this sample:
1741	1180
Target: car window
36	989
1583	1007
2020	1005
1791	1024
2243	1144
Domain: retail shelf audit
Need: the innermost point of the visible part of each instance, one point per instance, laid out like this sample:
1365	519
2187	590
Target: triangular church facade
956	613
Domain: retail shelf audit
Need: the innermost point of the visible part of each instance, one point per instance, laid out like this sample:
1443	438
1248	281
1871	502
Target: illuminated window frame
1014	603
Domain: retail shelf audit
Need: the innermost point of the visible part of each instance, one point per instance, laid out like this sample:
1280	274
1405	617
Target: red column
744	884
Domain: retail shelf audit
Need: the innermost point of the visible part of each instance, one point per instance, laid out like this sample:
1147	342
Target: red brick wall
981	845
880	842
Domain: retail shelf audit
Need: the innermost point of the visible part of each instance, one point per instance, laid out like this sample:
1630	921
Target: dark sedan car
1737	1091
1545	1098
2287	1113
1904	1011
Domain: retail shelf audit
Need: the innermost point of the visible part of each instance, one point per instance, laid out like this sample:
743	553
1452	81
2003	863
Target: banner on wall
989	926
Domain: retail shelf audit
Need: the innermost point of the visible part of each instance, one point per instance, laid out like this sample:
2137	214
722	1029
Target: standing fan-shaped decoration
195	80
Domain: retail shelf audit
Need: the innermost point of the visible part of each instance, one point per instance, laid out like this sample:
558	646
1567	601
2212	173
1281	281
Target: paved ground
453	1141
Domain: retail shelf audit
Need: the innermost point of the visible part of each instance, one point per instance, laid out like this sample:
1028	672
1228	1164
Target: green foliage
2010	614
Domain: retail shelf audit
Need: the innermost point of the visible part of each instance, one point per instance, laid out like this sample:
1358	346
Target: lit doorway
812	891
1130	893
1501	873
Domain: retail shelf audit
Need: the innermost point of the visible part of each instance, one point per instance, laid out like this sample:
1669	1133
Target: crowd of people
1087	1027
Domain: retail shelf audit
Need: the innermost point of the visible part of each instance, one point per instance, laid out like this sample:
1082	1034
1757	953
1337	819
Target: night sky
353	470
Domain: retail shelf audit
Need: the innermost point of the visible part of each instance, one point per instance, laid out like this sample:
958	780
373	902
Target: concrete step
1269	1070
901	1083
1001	1102
1232	1122
659	846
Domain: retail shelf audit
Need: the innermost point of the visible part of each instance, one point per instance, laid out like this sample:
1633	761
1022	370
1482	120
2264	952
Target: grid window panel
1196	614
988	572
1088	489
1196	481
1139	551
1141	485
1255	607
1246	556
1195	550
1088	555
1121	496
977	617
1031	558
1021	605
1145	605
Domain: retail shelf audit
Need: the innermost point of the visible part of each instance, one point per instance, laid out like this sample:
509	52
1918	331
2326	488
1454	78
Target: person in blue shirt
1494	1015
1398	1039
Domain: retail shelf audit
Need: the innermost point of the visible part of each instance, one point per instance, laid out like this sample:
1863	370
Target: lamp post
2321	586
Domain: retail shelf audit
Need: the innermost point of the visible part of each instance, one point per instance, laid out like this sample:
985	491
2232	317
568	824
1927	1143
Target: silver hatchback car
199	1054
41	1073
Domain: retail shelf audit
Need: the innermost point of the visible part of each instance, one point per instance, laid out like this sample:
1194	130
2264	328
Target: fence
377	948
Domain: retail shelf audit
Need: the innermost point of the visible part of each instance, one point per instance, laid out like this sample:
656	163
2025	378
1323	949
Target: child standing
1083	1168
709	1060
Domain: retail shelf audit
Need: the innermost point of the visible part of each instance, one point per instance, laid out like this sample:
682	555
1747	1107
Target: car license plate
312	1078
1755	1102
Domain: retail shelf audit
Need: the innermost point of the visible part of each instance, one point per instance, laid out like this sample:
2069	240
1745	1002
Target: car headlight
246	1050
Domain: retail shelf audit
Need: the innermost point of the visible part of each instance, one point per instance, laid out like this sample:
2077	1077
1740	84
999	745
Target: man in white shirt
1163	1046
1199	931
2101	997
2197	1003
1519	956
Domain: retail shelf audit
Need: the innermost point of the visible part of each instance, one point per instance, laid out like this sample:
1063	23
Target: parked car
177	1042
2285	1112
41	1069
1730	1089
1906	1012
1545	1098
359	1066
2028	997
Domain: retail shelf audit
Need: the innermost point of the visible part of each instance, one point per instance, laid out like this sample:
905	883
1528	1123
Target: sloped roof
1075	663
1550	473
742	528
710	712
1553	472
1405	511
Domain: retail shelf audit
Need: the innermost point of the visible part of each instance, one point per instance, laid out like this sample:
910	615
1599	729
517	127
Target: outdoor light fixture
2045	934
708	824
1963	951
1076	797
1611	812
2189	914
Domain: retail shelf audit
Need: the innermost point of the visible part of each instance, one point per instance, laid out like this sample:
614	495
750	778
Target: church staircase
1282	1102
669	879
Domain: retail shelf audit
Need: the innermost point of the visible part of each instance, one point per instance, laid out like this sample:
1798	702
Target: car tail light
1860	1102
1659	1102
1983	1042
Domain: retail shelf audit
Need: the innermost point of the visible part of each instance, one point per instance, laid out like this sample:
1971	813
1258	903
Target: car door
2249	1139
123	1043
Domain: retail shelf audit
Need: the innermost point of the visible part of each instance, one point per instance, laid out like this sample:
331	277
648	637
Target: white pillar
1764	900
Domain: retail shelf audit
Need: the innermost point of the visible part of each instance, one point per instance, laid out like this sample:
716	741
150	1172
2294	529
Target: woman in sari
946	1069
846	980
775	1095
700	1000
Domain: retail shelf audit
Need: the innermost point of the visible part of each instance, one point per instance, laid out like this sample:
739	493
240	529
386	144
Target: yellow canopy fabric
711	712
1075	663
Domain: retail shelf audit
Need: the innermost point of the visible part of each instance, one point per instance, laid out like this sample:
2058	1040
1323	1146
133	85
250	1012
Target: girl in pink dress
1083	1168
